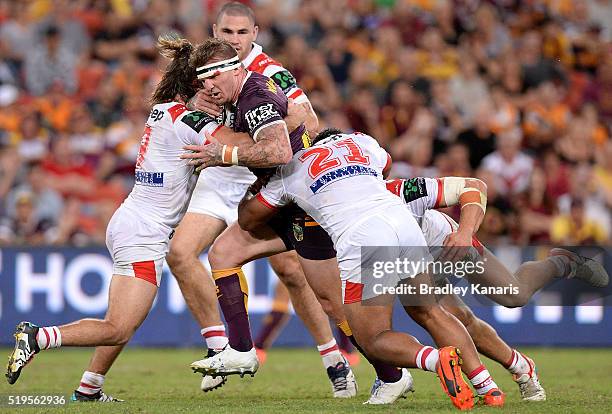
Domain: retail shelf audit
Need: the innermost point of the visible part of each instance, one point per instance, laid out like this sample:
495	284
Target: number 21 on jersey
321	160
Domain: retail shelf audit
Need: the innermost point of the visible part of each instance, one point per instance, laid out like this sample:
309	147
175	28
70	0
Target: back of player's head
235	8
326	133
179	76
212	50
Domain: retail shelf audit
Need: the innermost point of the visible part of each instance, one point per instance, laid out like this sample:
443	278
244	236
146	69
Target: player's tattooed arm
272	148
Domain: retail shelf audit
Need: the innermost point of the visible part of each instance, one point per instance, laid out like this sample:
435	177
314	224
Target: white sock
215	337
518	364
91	383
49	337
481	380
330	354
427	359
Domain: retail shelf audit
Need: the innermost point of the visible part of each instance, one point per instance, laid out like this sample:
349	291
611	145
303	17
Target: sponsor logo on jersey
197	120
259	115
150	179
285	80
341	173
414	188
156	115
271	86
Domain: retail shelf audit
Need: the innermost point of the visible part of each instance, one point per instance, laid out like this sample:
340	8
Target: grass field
293	381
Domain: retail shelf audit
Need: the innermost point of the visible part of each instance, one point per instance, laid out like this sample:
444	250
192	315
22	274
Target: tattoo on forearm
271	149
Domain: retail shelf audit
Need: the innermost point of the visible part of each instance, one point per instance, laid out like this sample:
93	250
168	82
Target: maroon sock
385	372
273	323
232	302
344	343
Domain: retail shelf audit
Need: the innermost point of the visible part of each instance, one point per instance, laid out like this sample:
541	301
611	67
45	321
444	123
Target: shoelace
337	375
340	383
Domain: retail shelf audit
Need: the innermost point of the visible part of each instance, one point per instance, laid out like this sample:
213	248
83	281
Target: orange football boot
451	378
494	398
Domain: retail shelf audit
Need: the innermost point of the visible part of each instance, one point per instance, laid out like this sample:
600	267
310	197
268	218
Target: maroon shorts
301	233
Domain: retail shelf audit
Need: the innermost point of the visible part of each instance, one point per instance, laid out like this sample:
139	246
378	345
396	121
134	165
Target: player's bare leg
194	234
309	310
534	275
371	325
92	380
446	330
323	276
130	300
489	344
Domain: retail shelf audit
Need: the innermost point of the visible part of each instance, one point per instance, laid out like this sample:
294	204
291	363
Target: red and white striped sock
91	383
481	380
49	337
330	354
427	358
215	337
518	364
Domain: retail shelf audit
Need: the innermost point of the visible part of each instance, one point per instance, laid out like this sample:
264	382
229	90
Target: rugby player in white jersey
139	232
338	182
214	206
421	195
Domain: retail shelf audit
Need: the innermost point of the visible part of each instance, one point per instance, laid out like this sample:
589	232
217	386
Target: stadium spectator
50	63
25	228
512	167
48	203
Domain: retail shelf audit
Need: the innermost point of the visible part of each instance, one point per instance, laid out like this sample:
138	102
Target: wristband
229	154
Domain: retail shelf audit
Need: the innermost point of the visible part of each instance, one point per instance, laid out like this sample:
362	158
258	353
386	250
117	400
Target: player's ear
255	32
214	29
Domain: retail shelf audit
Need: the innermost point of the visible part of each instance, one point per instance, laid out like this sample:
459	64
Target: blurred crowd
517	93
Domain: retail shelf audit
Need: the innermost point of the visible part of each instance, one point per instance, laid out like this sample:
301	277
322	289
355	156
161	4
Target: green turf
293	381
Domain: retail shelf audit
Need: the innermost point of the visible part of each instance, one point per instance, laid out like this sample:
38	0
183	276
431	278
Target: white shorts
138	247
217	198
385	236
